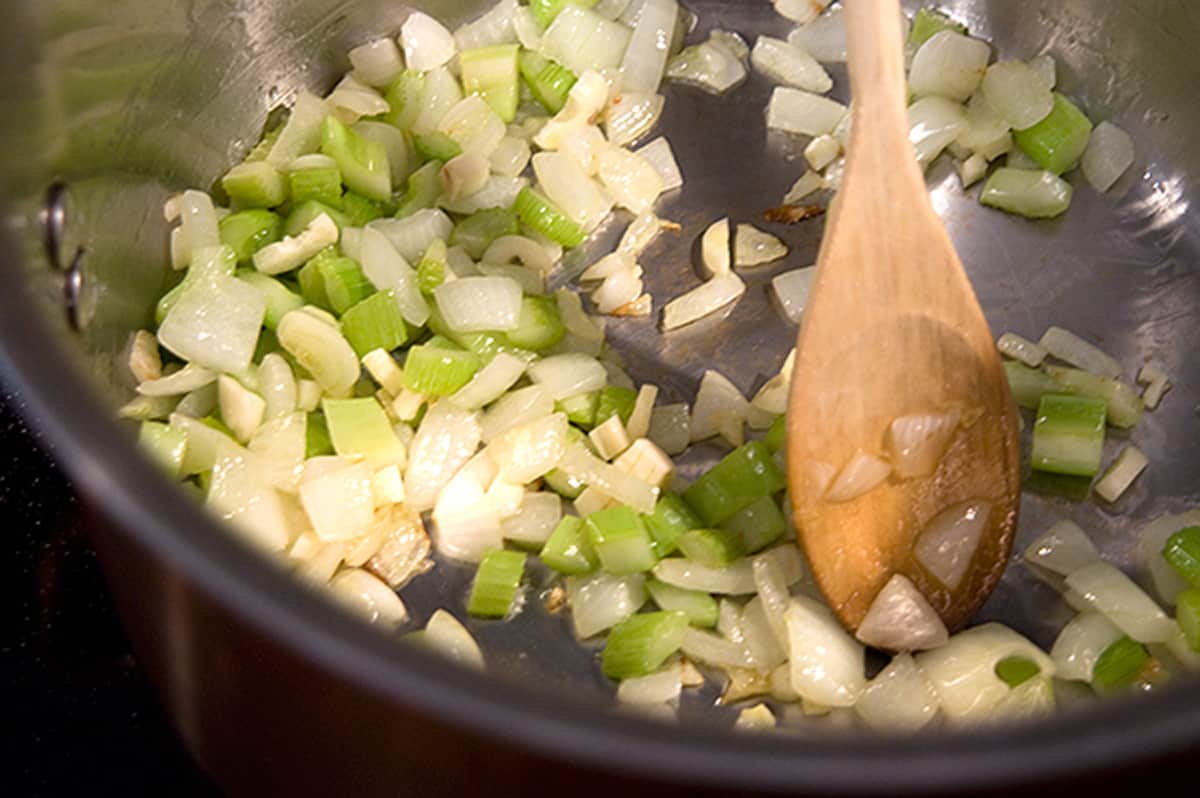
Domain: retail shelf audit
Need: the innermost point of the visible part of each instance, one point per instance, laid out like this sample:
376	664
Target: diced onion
796	111
1151	540
445	441
918	442
948	542
711	65
301	133
807	184
823	37
388	269
1080	644
899	698
531	450
352	100
1109	155
900	618
702	301
933	124
535	521
662	687
293	251
659	155
569	187
631	181
1017	94
480	304
717	398
189	378
632	115
600	601
714	650
645	57
860	475
514	409
582	40
446	634
1046	69
474	125
948	65
1064	549
490	382
440	93
464	175
564	376
510	158
754	247
1067	346
1018	348
215	324
1121	474
368	596
790	65
670	428
242	495
339	503
615	483
494	26
1108	590
427	44
827	663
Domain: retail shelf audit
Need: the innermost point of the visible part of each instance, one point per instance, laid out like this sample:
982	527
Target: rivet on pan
73	289
54	220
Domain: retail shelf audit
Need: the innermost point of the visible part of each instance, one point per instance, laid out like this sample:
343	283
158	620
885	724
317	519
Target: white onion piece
1064	548
293	251
948	542
1046	69
494	26
497	192
1108	590
490	383
1109	155
823	37
754	247
189	378
796	111
790	65
527	29
584	143
352	99
532	283
757	717
659	155
215	324
479	304
640	234
918	442
800	11
715	650
564	376
1012	345
241	495
702	301
388	269
1031	699
535	521
440	93
661	687
792	290
586	99
242	410
466	525
1151	540
197	226
580	464
519	249
464	175
569	187
827	663
1121	474
670	428
971	170
510	157
963	672
203	444
717	397
631	181
632	115
900	618
427	44
514	409
1069	347
446	634
860	475
531	450
933	124
736	579
368	596
714	249
474	125
1017	94
643	408
445	441
1080	644
948	65
772	398
397	155
713	66
610	264
582	40
301	133
339	503
985	132
646	461
899	698
601	601
646	55
412	235
823	151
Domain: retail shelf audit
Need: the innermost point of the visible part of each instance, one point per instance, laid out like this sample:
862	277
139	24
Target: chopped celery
165	445
431	271
303	214
436	146
544	217
615	400
360	210
360	427
671	518
1035	194
312	278
743	476
246	232
317	442
569	551
928	21
496	584
621	541
564	484
375	323
1119	665
580	409
319	183
1182	552
1057	142
1187	613
477	232
255	184
776	436
1029	385
700	608
544	11
435	371
363	162
424	188
540	325
715	548
1016	670
1124	405
759	524
1068	436
281	300
405	98
491	72
641	643
344	283
549	81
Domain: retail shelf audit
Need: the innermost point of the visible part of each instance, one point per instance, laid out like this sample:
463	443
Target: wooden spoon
892	328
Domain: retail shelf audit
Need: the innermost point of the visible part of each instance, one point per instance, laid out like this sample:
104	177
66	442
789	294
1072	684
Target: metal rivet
54	221
73	289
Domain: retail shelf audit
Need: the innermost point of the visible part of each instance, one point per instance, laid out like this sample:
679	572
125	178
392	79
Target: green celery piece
540	325
317	442
621	541
375	323
1057	142
1068	436
1124	405
1120	665
360	210
615	399
543	216
758	525
436	146
485	345
928	21
405	97
700	608
263	148
743	476
434	371
431	271
491	72
363	162
439	341
360	427
568	550
1061	486
1015	671
255	184
246	232
1035	194
424	189
321	184
549	81
303	214
1029	385
715	548
544	11
776	436
641	643
1182	552
312	278
1187	613
345	283
671	518
580	409
563	484
281	300
477	232
496	584
165	445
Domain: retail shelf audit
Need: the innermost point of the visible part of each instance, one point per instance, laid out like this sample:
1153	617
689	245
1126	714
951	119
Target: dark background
78	714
